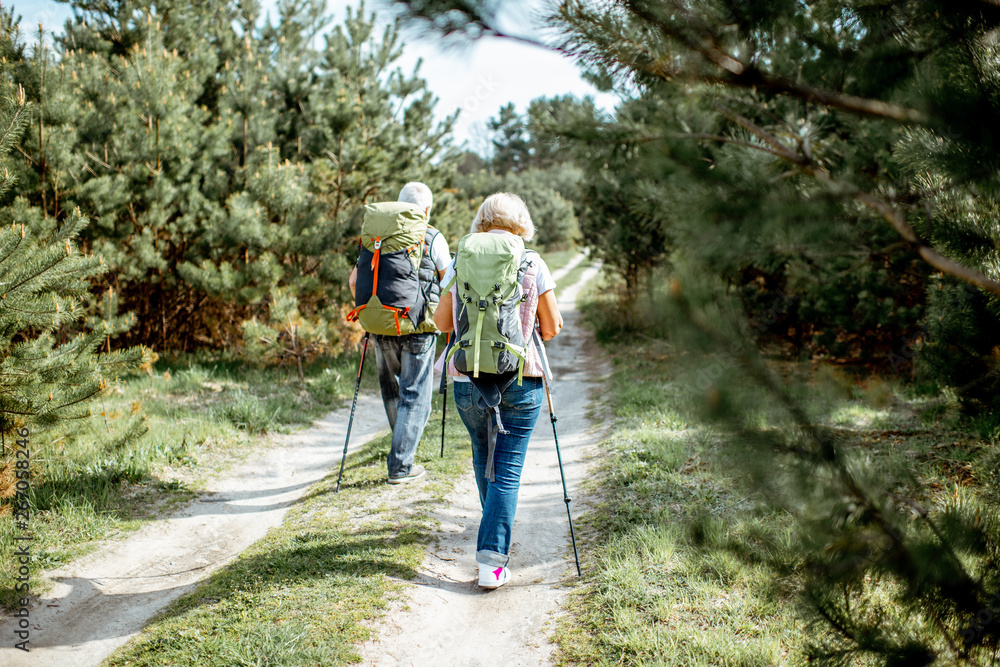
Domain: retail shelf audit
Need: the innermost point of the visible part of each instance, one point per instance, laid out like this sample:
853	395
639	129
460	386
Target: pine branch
40	272
968	591
79	400
743	75
17	122
926	252
893	215
16	247
718	138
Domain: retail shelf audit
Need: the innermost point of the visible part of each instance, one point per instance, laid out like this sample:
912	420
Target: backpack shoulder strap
454	279
530	257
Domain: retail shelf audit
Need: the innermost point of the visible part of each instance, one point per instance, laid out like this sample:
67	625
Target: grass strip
557	259
573	276
309	591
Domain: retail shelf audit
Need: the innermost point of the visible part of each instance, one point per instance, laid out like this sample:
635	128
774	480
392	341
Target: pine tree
533	162
225	163
48	374
511	149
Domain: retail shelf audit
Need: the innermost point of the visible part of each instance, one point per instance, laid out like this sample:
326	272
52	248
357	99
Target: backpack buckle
483	304
465	343
378	243
498	345
496	287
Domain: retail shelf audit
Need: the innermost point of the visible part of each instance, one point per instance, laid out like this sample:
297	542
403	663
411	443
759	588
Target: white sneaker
416	472
493	577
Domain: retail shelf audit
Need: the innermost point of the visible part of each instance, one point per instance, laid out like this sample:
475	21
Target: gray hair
506	211
417	194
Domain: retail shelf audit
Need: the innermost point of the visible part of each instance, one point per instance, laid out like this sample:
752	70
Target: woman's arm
443	317
550	320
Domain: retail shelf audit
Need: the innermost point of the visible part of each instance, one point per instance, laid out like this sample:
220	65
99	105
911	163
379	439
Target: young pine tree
48	374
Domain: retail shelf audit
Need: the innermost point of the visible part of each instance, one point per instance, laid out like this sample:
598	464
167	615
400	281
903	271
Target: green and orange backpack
397	288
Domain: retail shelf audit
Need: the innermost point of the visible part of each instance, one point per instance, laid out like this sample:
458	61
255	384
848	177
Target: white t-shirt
439	252
543	278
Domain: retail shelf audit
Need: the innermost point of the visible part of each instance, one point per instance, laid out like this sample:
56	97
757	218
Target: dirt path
446	618
100	601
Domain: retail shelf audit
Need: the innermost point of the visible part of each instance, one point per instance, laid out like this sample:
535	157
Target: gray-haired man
405	363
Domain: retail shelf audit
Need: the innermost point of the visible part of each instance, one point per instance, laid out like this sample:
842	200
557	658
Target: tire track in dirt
100	601
445	618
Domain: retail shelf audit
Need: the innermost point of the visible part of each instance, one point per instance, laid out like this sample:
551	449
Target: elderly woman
503	213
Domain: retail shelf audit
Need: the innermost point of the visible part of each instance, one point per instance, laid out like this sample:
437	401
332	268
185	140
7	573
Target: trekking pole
354	404
552	417
444	389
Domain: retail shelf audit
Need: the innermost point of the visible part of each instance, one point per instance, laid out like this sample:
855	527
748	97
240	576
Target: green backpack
489	269
390	296
490	348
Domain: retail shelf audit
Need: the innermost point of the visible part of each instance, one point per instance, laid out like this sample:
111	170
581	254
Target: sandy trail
100	601
445	617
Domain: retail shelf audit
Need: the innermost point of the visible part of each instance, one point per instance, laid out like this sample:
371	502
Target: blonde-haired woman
503	213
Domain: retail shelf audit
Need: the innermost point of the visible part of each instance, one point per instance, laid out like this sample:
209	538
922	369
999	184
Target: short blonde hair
506	211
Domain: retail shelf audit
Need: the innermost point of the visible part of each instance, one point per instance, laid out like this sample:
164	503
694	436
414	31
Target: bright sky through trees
478	79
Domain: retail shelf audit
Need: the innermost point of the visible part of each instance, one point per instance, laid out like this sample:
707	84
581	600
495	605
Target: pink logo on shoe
497	572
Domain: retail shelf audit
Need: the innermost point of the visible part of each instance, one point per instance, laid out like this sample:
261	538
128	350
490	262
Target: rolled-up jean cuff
492	558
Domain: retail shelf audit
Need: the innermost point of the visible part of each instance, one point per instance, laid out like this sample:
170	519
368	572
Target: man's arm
353	280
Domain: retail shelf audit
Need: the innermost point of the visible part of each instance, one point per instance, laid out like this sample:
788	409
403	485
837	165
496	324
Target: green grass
306	593
573	276
686	565
200	413
658	591
558	259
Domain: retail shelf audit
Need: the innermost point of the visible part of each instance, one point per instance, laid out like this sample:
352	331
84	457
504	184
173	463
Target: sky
477	80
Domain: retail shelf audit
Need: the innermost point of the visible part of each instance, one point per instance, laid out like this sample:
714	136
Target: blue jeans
406	378
519	409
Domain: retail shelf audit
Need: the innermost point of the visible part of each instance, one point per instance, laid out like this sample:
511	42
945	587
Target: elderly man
405	362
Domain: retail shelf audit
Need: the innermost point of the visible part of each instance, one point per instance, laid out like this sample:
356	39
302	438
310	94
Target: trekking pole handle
546	370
